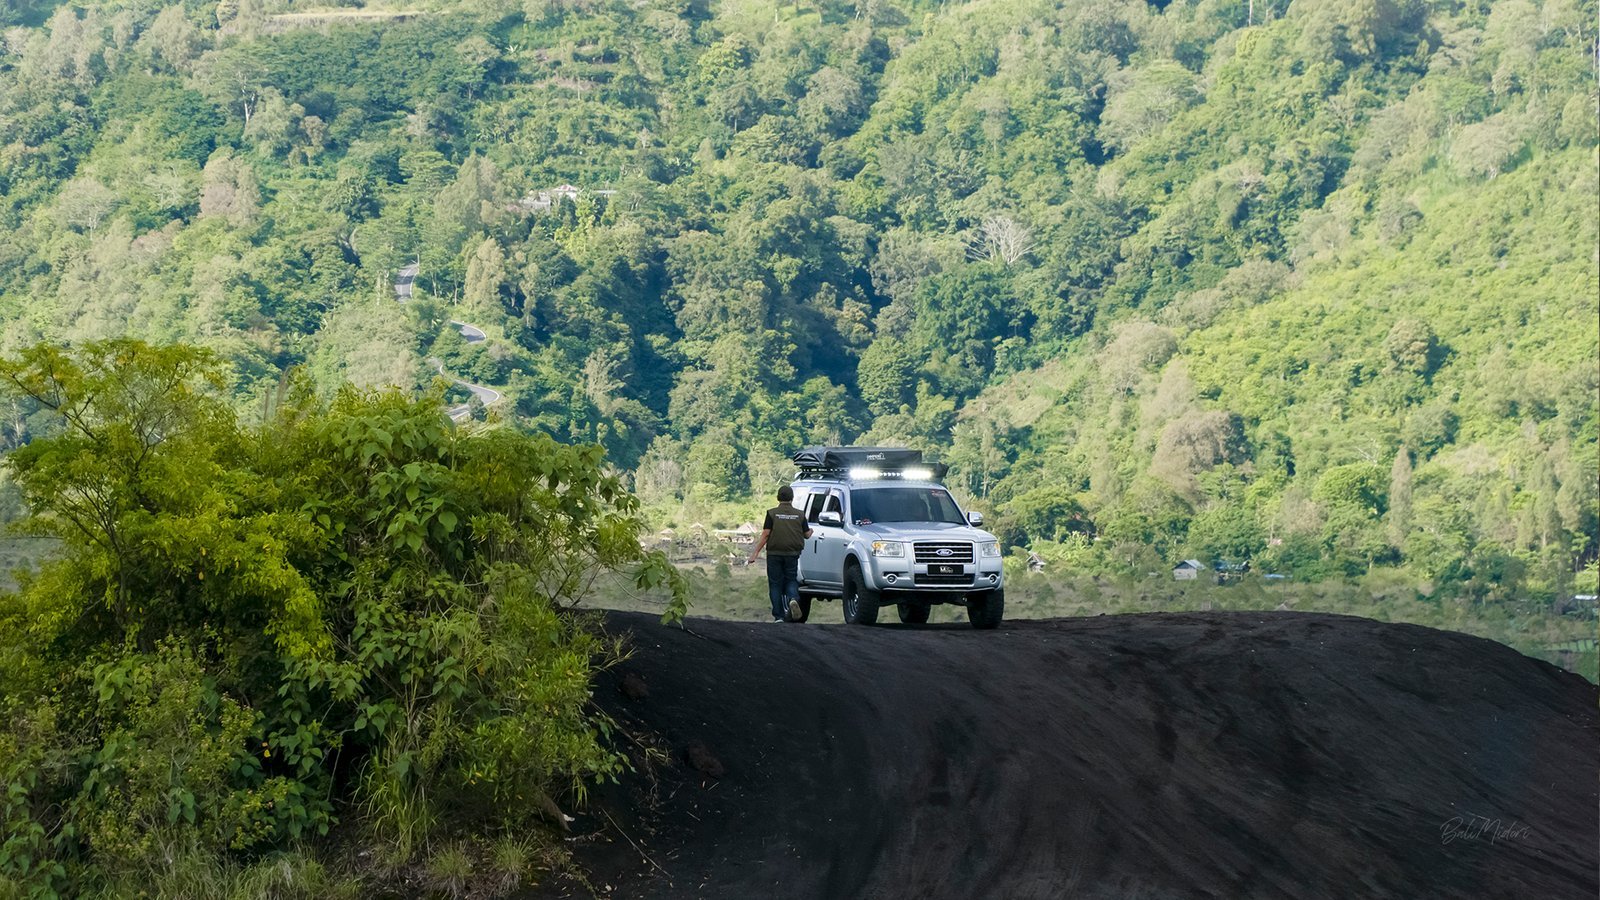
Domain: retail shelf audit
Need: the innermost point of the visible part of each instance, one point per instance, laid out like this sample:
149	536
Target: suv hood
924	531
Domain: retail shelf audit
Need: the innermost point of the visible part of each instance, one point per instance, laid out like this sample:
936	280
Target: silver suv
885	531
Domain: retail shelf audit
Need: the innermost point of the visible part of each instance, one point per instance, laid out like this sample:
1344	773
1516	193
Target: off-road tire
987	611
860	603
913	613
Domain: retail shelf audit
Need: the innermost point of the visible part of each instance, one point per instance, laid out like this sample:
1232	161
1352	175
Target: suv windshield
904	504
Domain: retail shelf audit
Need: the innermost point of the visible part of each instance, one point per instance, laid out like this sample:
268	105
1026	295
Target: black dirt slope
1195	755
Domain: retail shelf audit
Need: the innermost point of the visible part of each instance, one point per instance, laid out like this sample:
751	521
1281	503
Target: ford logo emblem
946	551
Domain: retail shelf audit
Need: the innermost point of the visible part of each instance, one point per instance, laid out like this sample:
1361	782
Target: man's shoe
779	621
794	610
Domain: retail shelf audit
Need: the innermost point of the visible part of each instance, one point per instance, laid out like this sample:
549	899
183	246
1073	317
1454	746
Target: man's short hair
785	494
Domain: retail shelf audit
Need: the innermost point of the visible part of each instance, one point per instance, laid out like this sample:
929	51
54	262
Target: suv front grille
926	580
931	552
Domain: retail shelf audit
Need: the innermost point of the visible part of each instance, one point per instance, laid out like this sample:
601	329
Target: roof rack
867	462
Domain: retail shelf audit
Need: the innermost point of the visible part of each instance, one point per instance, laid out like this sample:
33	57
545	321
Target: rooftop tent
890	461
835	458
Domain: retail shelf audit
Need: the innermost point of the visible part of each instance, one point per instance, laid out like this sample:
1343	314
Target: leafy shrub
352	601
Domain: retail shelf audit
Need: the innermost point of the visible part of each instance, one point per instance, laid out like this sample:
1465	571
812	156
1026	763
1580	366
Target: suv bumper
896	576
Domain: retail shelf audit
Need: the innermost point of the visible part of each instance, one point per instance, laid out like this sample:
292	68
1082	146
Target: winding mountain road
403	281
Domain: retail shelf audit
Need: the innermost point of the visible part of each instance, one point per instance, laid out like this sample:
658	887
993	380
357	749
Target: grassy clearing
347	16
739	593
351	12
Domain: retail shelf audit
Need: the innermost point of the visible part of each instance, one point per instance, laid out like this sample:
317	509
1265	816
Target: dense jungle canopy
1311	284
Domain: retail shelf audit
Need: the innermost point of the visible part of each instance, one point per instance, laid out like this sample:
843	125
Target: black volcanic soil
1186	755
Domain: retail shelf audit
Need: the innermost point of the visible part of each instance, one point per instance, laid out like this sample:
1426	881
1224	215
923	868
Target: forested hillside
1312	284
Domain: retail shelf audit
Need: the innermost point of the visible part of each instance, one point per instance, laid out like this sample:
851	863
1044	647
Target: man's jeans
783	582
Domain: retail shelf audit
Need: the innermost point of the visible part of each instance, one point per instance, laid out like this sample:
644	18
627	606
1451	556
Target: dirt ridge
1158	755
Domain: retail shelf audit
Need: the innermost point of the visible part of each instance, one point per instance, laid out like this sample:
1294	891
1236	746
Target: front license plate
944	569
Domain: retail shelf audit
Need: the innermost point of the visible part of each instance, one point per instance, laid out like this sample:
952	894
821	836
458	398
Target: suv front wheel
913	613
986	610
860	602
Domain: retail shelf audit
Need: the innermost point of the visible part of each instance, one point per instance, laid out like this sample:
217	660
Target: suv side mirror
830	519
974	518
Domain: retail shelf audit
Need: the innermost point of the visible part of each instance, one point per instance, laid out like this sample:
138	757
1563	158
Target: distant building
1035	562
1188	570
744	534
1584	604
1230	572
544	200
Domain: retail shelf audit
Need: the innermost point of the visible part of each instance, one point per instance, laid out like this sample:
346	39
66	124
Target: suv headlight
889	548
989	549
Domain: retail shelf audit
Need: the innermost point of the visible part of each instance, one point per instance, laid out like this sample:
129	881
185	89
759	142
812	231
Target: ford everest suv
885	531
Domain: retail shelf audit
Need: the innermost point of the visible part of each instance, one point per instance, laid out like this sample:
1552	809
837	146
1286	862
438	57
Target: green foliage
1044	513
1225	532
238	608
1170	240
1358	487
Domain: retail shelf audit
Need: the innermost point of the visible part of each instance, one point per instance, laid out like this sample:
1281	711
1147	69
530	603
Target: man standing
783	534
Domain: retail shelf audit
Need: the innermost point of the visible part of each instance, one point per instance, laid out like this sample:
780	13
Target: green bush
250	626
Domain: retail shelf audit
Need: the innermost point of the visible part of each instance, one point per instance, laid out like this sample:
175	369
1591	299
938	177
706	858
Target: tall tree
1398	518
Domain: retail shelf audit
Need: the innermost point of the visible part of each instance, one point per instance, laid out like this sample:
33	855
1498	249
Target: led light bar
867	463
866	473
